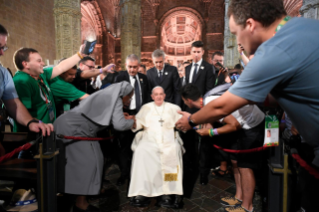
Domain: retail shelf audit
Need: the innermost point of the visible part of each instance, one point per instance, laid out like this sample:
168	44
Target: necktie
195	72
137	95
161	75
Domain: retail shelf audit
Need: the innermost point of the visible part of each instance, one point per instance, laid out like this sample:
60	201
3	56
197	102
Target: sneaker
230	201
237	208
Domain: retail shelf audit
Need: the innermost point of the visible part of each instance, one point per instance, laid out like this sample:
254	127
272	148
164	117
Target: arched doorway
93	26
180	27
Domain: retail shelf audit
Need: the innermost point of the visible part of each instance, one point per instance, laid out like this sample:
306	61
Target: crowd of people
166	118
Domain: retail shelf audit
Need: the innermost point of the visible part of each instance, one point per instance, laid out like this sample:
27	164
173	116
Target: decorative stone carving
130	28
67	15
310	9
232	56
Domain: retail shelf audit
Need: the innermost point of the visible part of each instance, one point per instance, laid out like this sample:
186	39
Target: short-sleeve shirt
7	89
287	66
248	116
63	90
35	95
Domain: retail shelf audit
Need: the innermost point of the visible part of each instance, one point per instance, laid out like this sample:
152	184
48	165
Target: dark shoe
90	208
140	201
178	202
166	202
220	173
203	179
120	181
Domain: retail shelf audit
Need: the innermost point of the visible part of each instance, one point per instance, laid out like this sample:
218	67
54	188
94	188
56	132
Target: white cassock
157	167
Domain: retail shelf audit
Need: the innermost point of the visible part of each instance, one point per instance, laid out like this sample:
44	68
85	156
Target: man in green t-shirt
32	83
64	92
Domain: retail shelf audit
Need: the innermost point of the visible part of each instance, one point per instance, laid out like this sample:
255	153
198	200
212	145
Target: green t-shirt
63	90
36	96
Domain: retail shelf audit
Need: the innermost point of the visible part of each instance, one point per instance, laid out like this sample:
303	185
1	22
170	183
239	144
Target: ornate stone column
67	14
130	29
310	9
232	56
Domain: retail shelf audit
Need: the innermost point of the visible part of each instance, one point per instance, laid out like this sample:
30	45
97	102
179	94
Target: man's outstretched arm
213	111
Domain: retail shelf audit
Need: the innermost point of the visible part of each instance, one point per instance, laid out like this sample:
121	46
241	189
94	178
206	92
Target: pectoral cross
161	121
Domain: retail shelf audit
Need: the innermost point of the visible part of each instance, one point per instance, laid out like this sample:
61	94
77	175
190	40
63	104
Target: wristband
211	132
32	121
215	132
40	121
80	56
190	122
283	121
101	71
241	53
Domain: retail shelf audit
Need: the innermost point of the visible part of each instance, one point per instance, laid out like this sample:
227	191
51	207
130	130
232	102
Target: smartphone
89	47
220	65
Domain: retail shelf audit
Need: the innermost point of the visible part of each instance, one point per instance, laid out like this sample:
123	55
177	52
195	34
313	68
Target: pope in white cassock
157	167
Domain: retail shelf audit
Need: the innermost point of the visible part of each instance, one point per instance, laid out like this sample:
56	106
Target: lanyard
46	98
282	23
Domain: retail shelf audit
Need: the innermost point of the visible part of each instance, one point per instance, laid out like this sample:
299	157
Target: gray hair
158	53
132	57
158	87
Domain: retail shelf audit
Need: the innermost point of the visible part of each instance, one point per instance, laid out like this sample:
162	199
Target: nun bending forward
80	163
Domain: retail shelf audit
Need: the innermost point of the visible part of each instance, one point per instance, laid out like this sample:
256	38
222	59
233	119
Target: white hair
158	53
158	87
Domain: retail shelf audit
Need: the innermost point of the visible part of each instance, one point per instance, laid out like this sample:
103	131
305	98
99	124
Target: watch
190	122
32	121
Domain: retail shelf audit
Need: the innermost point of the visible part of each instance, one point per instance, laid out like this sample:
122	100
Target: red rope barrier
258	149
15	151
84	138
303	163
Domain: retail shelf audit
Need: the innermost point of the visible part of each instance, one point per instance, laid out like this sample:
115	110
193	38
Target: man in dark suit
219	76
141	96
166	76
199	73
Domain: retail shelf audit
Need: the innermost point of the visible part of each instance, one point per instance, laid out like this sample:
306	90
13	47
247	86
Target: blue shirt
287	66
7	89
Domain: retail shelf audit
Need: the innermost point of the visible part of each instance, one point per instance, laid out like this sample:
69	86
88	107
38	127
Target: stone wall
30	24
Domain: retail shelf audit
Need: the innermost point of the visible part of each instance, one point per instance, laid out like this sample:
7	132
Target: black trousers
125	139
308	185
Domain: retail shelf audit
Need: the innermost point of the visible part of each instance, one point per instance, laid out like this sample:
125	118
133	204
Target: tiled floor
204	198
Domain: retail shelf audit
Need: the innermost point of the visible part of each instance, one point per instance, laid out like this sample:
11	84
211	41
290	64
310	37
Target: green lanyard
283	22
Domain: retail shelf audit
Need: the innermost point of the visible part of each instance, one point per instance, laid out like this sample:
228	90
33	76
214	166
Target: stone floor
204	198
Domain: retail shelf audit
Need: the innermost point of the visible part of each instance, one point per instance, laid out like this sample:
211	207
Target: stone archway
93	25
179	28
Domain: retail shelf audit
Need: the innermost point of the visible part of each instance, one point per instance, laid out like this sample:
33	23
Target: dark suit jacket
170	82
204	78
124	76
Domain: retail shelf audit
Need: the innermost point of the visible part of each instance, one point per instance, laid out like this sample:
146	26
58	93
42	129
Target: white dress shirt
193	69
158	72
133	99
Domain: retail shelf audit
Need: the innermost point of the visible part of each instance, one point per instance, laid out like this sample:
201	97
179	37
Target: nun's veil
99	106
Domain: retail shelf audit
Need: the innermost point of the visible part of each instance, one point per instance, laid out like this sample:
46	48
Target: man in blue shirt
285	64
10	97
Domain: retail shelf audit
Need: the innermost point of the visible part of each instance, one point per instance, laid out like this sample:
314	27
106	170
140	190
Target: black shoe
178	202
166	202
203	179
120	181
90	208
140	201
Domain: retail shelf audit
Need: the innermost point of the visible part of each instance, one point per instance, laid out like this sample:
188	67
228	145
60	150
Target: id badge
51	112
271	131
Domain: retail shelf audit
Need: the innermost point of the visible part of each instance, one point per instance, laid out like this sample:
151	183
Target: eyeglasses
4	48
91	67
218	61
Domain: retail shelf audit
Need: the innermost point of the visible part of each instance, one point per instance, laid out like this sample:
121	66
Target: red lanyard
46	98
